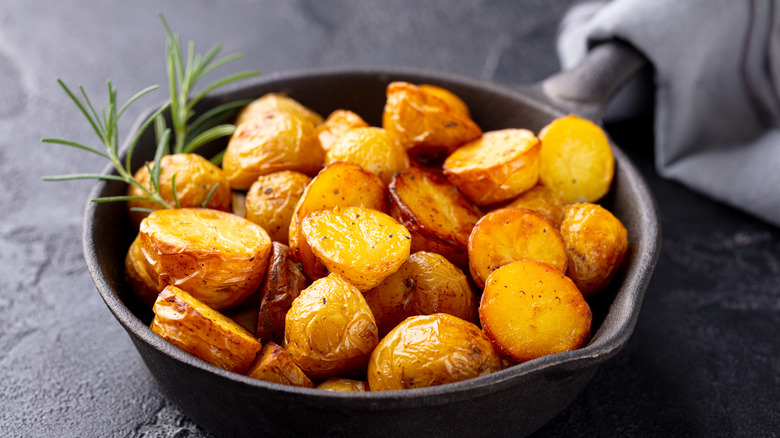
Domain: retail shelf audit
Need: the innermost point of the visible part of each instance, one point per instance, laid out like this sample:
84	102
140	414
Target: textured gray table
704	359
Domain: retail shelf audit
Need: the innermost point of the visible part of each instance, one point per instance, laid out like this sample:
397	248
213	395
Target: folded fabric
717	89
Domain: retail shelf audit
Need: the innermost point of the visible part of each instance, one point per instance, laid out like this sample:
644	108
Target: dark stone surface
704	359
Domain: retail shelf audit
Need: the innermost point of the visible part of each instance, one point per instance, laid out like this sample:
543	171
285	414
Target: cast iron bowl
513	402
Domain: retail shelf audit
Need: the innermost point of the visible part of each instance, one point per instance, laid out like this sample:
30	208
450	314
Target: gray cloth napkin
717	89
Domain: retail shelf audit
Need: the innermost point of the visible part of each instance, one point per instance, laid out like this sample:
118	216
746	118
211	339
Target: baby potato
430	350
329	330
495	167
337	185
370	149
530	309
596	243
336	125
276	102
436	214
140	275
447	96
542	200
271	201
195	178
189	324
274	364
510	234
341	384
425	125
360	244
275	141
217	257
576	160
282	284
425	284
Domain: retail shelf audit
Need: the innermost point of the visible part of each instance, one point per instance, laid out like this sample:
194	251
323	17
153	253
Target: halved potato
426	283
360	244
437	215
274	364
542	200
447	96
341	384
217	257
370	149
431	350
271	201
495	167
283	283
530	309
276	102
510	234
329	330
596	243
576	160
189	324
140	275
336	125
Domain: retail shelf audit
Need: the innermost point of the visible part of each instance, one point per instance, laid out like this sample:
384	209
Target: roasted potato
336	125
425	125
195	178
447	96
341	384
425	284
282	284
274	364
338	185
276	102
596	243
275	141
271	201
189	324
542	200
238	203
329	330
576	160
360	244
495	167
140	275
370	149
431	350
510	234
217	257
530	309
437	215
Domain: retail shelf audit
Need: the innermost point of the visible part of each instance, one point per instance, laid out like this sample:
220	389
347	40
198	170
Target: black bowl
513	402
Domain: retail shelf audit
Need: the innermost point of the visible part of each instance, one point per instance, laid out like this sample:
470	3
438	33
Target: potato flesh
431	350
530	309
370	149
194	327
447	96
275	365
341	384
510	234
276	102
336	125
282	284
271	202
542	200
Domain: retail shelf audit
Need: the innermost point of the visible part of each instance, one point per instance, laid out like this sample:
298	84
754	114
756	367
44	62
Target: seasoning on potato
370	149
274	364
430	350
542	200
530	309
342	384
336	125
282	284
271	202
276	102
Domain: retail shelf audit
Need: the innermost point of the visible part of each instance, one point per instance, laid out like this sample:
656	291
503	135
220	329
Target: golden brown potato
189	324
274	364
195	178
576	160
341	384
437	215
276	141
140	275
276	102
510	234
330	330
217	257
431	350
530	309
370	149
596	242
338	185
425	125
336	125
425	284
542	200
283	283
271	201
360	244
495	167
447	96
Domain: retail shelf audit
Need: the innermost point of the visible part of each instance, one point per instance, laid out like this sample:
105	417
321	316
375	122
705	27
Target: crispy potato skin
542	200
437	215
218	257
140	274
370	149
195	177
283	283
336	125
495	167
271	202
596	243
510	234
431	350
530	309
192	326
360	244
274	364
425	284
329	330
341	384
276	102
